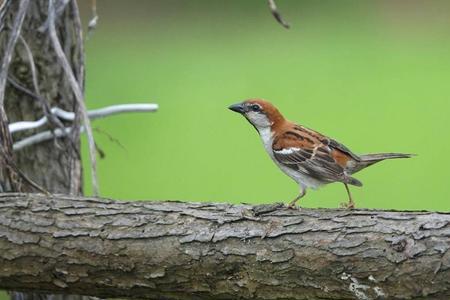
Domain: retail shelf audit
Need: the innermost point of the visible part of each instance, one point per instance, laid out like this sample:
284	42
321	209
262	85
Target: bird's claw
293	206
347	205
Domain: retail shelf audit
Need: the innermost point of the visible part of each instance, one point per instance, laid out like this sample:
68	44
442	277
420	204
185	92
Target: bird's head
259	113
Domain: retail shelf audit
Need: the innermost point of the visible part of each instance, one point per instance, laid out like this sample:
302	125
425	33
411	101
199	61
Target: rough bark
171	250
54	165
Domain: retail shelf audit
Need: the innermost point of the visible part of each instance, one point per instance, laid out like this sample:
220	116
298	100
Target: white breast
267	139
300	177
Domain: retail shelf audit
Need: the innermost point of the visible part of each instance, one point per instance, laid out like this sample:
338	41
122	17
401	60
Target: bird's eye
256	107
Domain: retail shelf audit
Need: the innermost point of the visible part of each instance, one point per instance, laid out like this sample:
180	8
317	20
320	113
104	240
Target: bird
308	157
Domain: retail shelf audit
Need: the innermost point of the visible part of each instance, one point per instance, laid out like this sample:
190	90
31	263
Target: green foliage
374	85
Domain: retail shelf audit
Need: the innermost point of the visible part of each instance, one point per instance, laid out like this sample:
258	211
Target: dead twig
69	116
77	92
11	165
3	9
75	157
110	138
59	7
55	122
12	41
92	114
94	20
42	137
16	84
276	14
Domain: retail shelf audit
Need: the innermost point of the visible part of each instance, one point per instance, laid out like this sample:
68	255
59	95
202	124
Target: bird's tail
370	159
374	158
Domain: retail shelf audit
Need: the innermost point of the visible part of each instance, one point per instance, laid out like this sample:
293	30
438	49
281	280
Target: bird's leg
350	204
302	193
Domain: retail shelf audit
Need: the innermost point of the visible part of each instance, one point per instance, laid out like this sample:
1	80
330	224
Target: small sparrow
308	157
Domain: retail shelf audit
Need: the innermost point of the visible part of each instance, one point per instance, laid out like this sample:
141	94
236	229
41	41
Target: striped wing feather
313	154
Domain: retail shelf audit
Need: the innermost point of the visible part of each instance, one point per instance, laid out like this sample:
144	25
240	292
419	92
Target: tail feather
382	156
366	160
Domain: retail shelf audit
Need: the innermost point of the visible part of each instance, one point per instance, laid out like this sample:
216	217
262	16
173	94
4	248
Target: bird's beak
238	107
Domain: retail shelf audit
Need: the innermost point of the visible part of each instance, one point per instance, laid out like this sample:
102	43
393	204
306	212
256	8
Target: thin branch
47	111
59	8
77	92
32	65
42	137
15	83
3	5
54	122
7	56
111	138
11	165
3	9
93	114
45	104
75	157
277	15
94	20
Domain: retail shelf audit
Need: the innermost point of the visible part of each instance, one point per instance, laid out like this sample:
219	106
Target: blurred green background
372	74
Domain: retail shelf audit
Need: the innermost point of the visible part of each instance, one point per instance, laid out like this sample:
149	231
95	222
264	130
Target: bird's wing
315	155
342	148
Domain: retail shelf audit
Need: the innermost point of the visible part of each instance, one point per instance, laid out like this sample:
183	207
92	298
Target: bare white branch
70	116
93	114
42	137
77	92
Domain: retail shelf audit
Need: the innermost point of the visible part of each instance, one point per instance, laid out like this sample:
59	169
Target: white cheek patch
258	119
288	150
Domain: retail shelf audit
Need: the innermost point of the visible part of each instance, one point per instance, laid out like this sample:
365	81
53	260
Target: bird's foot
293	206
347	205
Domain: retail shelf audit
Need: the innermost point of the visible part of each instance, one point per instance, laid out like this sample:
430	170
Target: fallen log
180	250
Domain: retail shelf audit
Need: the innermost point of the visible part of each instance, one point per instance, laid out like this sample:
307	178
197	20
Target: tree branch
43	137
94	19
276	14
55	122
77	90
173	250
92	114
12	41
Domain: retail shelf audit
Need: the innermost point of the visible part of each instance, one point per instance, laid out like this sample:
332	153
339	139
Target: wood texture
54	165
172	250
